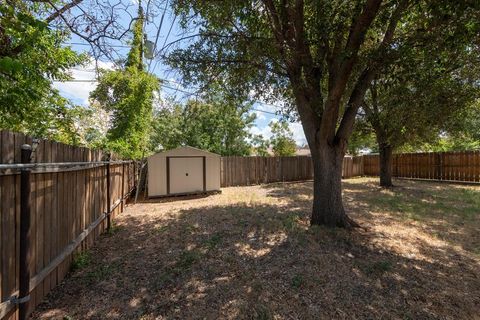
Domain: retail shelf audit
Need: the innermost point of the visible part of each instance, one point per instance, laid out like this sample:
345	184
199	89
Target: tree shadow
252	255
174	198
448	212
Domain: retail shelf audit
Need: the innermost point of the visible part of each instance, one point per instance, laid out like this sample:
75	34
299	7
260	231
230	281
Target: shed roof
187	151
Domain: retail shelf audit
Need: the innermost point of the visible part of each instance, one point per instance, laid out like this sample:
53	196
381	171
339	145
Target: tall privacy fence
50	210
244	171
461	166
58	204
443	166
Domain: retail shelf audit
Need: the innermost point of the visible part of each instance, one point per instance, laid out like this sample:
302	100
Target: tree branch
342	73
60	11
350	52
365	79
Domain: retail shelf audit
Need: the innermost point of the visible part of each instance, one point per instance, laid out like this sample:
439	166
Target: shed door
186	174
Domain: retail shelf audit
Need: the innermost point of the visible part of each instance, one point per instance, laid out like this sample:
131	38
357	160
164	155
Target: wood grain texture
68	211
243	171
460	166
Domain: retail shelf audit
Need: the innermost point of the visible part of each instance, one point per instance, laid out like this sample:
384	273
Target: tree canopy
31	56
460	133
129	94
321	56
418	98
216	123
260	146
282	141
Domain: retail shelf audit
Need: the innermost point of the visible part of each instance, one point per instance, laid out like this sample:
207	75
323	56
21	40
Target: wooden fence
74	194
444	166
244	171
68	207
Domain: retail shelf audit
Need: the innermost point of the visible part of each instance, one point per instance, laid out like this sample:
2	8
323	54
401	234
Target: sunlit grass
460	204
251	253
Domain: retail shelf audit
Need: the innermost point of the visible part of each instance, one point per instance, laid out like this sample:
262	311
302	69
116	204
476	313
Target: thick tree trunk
385	165
327	189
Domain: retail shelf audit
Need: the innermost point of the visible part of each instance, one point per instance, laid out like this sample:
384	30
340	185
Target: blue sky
78	92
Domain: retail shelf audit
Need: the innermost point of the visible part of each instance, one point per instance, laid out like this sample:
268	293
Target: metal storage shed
185	170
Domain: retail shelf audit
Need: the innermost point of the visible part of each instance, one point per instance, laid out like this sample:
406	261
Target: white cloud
298	134
295	127
260	116
76	90
80	91
265	131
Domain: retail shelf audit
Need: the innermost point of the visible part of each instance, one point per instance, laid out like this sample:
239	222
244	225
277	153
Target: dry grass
249	253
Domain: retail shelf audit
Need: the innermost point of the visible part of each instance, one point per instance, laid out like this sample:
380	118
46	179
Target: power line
86	44
264	111
179	90
163	46
158	32
76	80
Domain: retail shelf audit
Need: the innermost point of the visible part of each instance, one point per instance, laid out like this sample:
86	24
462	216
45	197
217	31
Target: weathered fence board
243	171
68	210
446	166
69	207
462	166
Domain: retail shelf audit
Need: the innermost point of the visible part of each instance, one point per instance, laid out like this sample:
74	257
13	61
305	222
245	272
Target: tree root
350	224
344	221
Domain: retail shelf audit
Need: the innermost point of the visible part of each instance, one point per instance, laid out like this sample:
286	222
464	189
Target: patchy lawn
249	253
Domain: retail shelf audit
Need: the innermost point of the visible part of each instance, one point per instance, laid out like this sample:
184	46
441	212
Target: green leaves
429	88
31	56
218	124
9	65
282	141
129	95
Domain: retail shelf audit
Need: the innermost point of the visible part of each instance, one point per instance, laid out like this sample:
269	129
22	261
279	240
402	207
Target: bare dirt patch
249	253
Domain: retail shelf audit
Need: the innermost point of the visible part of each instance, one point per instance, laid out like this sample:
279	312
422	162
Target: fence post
395	165
362	165
133	175
438	166
109	205
25	234
123	184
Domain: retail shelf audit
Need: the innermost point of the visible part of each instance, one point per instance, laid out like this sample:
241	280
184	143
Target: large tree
129	94
462	134
31	56
320	55
416	103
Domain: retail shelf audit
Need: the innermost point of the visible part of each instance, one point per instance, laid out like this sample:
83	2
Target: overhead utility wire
164	43
188	93
86	44
158	32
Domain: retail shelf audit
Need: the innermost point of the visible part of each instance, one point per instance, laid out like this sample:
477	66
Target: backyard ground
249	253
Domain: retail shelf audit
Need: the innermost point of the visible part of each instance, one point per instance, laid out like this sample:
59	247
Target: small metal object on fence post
25	235
109	205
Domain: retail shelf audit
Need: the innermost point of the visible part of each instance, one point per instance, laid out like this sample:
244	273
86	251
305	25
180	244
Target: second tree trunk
386	152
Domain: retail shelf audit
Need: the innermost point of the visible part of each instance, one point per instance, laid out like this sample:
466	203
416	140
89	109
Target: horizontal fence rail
68	208
244	171
463	166
72	194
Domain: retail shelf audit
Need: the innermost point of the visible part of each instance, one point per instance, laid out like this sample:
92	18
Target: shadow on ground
250	254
